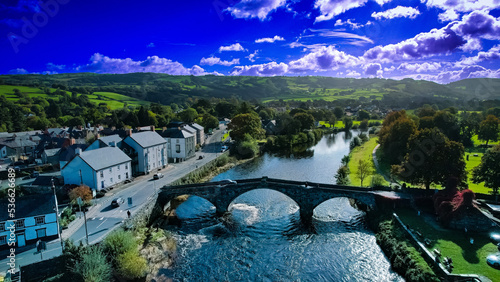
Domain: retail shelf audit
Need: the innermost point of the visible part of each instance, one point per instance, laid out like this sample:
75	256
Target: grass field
363	152
480	142
472	163
340	124
467	258
113	100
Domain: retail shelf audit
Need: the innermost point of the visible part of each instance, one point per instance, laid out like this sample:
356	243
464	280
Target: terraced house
148	150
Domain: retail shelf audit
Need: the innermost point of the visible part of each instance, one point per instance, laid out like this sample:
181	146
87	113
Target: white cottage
98	169
35	219
180	144
151	150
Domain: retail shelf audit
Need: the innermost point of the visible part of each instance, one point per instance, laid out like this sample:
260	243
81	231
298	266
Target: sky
437	40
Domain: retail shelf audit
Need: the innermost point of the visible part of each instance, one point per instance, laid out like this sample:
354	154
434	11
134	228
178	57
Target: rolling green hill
165	89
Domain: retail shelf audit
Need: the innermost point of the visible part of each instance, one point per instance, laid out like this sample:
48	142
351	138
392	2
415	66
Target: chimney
98	135
79	127
112	144
78	151
152	128
129	132
72	141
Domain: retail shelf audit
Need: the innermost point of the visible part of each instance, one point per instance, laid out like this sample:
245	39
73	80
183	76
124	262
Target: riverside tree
365	169
489	129
488	171
431	158
248	123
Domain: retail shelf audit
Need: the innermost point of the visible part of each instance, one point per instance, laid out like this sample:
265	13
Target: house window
3	240
40	233
111	179
20	223
2	226
102	173
118	167
119	177
40	220
177	141
126	166
110	169
178	148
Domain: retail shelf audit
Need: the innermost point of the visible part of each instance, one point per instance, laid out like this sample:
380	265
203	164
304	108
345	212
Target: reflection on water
263	239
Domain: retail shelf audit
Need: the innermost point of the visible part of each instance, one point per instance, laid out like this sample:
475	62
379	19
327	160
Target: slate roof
176	133
104	157
68	153
189	129
196	126
175	124
147	139
112	138
28	206
52	152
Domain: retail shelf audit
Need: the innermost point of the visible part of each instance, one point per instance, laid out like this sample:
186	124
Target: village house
180	144
35	220
99	169
106	141
148	150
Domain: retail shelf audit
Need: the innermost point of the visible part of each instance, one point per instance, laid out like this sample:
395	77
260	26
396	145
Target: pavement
102	218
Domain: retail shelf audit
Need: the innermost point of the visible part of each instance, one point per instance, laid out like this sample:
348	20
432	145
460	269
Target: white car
494	260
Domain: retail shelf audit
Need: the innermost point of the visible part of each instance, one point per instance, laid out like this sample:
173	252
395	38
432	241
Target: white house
200	133
151	150
98	169
105	141
180	144
191	130
35	219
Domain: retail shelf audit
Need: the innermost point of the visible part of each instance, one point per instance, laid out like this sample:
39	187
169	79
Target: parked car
494	260
201	157
117	202
495	238
35	174
158	176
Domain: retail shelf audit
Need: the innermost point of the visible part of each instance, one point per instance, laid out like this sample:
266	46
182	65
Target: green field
363	152
331	94
340	124
480	142
467	258
113	100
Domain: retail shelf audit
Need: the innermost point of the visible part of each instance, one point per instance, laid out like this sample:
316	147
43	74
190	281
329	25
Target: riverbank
363	152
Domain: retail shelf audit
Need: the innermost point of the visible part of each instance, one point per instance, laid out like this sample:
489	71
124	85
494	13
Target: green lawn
467	258
472	163
340	124
480	142
363	152
226	135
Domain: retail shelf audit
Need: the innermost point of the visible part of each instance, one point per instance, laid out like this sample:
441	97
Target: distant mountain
166	89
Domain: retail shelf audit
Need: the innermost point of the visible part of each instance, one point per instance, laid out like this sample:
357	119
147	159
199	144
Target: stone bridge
307	195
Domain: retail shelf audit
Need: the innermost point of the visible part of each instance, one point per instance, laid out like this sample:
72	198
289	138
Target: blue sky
438	40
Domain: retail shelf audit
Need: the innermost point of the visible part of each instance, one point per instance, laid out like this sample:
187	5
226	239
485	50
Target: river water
264	239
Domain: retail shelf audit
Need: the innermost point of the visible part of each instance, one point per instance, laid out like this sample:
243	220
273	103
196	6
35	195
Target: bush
345	160
93	266
131	265
342	176
378	180
222	160
119	242
356	141
363	137
248	149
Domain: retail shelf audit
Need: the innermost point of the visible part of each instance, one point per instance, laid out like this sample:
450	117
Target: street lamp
57	214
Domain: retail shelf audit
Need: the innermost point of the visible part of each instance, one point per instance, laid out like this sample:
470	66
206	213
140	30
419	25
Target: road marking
100	224
101	218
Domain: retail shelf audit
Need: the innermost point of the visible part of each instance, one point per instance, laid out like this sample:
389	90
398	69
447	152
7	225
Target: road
102	218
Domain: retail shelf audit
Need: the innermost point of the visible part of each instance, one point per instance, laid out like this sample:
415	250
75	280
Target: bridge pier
306	216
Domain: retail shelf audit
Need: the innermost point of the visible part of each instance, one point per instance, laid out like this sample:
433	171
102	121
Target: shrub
131	265
378	180
372	130
363	137
118	243
248	149
222	160
93	266
363	125
83	192
342	176
356	141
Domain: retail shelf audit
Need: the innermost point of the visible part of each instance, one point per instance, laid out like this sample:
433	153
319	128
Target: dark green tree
242	124
489	129
488	171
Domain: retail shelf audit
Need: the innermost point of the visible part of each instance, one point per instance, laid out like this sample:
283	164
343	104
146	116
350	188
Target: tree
243	124
338	112
131	265
362	114
448	124
210	122
76	121
431	158
488	129
347	123
488	171
306	120
188	115
394	134
364	170
363	125
332	120
93	266
342	176
82	192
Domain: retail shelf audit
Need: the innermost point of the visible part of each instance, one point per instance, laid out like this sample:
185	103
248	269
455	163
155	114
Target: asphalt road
102	218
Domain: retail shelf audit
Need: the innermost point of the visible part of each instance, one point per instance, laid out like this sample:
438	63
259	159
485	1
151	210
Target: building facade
151	150
180	144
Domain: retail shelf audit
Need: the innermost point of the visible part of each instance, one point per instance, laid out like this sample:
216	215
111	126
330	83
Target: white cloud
217	61
382	2
398	12
462	5
323	59
466	72
351	38
247	9
232	47
104	64
18	71
269	69
416	67
353	73
448	15
252	56
270	39
52	66
492	54
332	8
351	24
373	69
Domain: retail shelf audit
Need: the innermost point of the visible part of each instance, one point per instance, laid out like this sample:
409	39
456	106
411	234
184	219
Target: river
264	239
